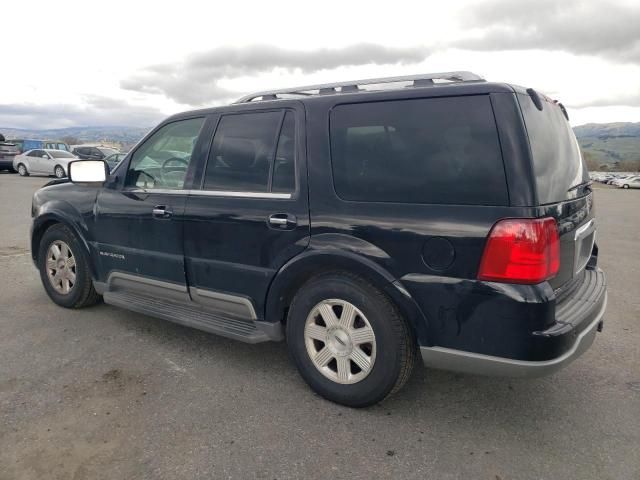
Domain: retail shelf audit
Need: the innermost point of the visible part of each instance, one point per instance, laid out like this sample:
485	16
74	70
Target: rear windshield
435	150
557	162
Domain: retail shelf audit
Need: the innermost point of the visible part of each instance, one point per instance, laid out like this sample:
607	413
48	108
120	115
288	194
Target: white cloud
152	60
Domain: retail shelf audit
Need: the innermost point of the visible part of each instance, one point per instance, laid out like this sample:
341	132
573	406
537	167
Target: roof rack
423	80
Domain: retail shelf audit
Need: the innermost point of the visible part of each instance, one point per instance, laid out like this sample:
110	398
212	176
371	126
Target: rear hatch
8	150
562	184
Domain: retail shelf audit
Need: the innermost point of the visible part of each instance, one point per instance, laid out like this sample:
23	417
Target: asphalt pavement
103	393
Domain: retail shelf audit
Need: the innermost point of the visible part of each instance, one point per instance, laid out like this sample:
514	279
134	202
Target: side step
189	315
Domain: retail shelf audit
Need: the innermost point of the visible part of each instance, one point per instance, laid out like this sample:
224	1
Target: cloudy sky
77	63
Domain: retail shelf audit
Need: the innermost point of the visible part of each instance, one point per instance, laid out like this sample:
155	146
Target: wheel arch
58	216
292	276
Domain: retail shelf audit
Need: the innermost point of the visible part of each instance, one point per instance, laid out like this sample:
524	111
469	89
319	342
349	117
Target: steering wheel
167	169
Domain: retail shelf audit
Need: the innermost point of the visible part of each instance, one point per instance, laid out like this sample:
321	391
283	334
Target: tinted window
60	154
106	151
163	159
438	150
242	152
36	153
94	152
284	171
557	162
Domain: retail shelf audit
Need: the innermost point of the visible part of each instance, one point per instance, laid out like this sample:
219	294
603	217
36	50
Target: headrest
238	153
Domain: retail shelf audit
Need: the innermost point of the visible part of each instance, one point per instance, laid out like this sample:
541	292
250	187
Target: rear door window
436	150
557	162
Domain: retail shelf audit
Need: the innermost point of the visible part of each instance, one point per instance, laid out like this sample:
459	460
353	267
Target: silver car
631	182
44	162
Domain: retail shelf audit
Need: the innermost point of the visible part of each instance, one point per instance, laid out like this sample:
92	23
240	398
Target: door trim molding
119	281
235	305
211	193
127	277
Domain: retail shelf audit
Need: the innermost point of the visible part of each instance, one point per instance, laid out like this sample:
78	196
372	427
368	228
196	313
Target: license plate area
585	237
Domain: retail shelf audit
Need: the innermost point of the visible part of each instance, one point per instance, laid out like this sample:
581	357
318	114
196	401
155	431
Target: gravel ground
103	393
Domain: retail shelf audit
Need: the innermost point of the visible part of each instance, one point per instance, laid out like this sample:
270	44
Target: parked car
625	179
43	162
8	151
632	182
114	160
91	152
366	227
55	145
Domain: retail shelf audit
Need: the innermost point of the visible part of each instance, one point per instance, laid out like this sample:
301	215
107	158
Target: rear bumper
6	162
468	362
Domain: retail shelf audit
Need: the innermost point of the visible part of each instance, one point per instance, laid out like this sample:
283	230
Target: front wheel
59	172
22	170
64	270
625	186
348	340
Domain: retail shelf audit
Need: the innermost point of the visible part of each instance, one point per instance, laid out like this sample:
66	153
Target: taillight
521	251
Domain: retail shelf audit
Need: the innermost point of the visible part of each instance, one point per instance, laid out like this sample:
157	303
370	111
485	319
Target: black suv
446	216
93	153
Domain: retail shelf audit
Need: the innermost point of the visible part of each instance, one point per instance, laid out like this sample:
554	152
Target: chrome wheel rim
22	170
61	267
59	172
340	341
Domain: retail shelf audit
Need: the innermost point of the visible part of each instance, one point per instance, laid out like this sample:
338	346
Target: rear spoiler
537	101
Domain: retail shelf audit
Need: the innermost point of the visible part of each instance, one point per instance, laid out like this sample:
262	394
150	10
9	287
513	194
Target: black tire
58	172
395	342
625	186
23	171
82	294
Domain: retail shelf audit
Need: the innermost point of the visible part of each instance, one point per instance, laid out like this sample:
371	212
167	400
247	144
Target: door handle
282	220
161	211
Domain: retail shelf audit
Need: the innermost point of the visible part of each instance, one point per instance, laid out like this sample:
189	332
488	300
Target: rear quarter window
436	150
556	158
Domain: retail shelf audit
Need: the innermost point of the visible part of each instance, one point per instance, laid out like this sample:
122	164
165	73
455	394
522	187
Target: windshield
557	161
60	154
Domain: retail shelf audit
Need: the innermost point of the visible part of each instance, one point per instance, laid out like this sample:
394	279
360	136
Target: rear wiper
583	184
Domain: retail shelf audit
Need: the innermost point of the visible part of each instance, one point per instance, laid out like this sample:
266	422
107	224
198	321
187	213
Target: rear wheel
64	270
22	170
625	186
58	171
348	340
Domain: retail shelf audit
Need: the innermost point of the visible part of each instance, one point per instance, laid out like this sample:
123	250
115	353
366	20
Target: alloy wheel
340	341
61	267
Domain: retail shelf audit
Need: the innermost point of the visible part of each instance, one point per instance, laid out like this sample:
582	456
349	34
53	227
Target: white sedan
631	182
43	162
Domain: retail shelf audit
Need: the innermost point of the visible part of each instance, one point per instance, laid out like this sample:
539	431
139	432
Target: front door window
162	160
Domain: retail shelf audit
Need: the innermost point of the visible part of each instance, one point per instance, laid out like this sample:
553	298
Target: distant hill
616	145
126	136
617	129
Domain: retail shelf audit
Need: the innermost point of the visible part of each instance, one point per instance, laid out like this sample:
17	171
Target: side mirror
91	172
45	156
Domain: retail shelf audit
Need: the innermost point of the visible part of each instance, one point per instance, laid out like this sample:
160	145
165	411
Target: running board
248	331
